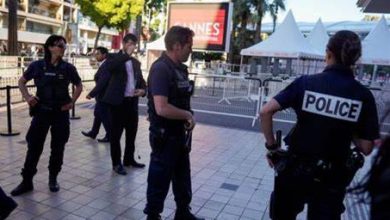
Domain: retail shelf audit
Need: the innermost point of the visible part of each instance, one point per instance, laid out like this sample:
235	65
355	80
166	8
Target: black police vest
328	112
52	86
180	91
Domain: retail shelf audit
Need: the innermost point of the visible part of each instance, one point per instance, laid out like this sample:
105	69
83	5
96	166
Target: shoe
186	215
53	184
23	187
153	217
88	134
119	169
8	208
104	140
134	164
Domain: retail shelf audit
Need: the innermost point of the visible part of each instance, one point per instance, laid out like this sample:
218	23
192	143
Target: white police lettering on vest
332	106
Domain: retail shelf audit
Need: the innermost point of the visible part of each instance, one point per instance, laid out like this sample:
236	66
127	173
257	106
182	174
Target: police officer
49	109
171	122
333	109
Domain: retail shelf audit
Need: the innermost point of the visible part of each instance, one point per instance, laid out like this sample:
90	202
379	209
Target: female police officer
332	110
50	106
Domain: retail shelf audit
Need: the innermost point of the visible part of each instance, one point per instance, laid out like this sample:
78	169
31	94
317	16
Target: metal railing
8	91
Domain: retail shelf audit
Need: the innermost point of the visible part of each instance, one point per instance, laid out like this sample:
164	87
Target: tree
110	13
153	8
12	28
239	36
261	7
273	10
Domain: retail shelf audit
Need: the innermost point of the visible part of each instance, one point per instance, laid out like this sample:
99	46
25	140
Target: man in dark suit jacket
126	84
101	109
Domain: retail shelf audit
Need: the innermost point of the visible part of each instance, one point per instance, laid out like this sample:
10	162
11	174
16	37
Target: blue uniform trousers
6	203
293	189
169	161
58	123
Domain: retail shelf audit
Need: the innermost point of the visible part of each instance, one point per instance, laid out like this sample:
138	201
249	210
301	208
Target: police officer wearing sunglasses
49	109
333	110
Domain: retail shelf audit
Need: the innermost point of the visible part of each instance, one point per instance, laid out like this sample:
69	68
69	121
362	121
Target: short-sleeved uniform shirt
63	72
161	81
332	108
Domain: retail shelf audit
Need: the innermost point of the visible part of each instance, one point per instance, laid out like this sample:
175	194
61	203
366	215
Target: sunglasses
62	46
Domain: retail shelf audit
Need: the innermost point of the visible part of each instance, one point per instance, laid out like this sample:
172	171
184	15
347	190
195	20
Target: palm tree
273	10
12	27
241	16
260	8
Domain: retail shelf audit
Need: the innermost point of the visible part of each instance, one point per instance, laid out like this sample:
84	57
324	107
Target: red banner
208	21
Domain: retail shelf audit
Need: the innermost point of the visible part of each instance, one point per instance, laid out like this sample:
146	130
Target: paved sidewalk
229	174
231	179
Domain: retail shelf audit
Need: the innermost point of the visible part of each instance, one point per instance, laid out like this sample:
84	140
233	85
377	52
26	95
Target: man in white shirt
125	85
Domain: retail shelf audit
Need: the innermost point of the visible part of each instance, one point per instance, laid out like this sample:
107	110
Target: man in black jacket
125	85
101	108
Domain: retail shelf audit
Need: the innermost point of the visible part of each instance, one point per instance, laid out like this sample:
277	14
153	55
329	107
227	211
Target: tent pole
374	74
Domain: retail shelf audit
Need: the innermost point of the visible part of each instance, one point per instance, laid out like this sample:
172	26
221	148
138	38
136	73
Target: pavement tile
230	177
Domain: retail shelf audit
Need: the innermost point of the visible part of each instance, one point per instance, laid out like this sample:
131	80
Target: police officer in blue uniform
171	122
333	110
49	108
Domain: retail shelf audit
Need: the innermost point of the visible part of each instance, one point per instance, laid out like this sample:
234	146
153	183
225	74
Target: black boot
7	205
25	186
153	217
7	208
185	214
53	184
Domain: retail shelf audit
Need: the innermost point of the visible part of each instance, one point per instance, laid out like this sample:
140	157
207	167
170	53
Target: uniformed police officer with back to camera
49	108
171	123
333	109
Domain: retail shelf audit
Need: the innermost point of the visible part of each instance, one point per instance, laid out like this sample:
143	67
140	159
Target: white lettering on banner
332	106
205	28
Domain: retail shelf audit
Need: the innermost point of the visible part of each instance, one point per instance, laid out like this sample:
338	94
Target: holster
157	137
33	110
279	158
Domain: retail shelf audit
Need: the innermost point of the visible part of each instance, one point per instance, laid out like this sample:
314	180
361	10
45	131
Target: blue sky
328	10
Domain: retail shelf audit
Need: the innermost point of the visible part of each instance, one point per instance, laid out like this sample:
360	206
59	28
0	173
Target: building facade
37	19
374	6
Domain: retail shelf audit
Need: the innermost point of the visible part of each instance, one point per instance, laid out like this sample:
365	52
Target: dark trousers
123	117
292	191
101	116
6	202
169	161
58	123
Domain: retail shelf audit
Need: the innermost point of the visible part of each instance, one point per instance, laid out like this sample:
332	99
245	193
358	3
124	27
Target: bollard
9	132
73	116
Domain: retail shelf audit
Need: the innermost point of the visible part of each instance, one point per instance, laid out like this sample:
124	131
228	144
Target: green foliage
152	8
206	56
111	13
250	11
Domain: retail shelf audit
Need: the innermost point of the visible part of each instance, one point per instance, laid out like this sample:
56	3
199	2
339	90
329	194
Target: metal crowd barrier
8	89
229	95
271	87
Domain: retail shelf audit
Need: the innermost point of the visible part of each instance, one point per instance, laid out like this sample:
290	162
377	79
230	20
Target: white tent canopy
376	46
318	37
158	44
286	42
